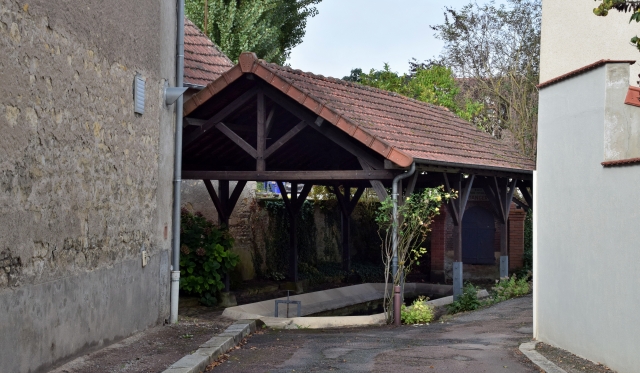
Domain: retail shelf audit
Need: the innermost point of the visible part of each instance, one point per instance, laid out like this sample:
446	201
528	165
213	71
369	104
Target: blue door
478	232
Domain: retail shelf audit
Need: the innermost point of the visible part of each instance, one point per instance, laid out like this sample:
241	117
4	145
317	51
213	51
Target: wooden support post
293	206
346	249
457	208
293	238
261	144
347	205
223	194
500	193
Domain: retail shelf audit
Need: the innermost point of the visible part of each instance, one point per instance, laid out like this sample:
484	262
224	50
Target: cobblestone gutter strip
214	348
529	349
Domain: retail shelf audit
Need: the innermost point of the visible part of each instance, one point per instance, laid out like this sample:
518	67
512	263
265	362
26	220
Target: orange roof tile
399	128
203	61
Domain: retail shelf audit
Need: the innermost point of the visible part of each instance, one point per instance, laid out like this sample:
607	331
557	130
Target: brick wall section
516	238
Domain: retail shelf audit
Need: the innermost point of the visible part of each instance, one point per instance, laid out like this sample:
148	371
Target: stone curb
529	350
214	348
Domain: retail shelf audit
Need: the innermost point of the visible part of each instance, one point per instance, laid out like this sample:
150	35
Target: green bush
468	300
512	287
419	312
205	256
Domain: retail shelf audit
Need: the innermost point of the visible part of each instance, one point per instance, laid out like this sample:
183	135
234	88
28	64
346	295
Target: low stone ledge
214	348
529	350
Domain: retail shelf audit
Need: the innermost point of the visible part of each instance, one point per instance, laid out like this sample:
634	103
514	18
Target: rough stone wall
84	182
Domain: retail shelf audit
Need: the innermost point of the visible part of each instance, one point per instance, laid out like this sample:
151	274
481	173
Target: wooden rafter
218	117
284	139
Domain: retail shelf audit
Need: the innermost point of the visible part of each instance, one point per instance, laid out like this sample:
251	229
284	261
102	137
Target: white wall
572	37
587	248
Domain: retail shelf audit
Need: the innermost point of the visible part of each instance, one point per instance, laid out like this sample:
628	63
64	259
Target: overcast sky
367	33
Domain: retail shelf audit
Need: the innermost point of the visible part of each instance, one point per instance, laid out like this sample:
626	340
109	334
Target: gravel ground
570	362
155	349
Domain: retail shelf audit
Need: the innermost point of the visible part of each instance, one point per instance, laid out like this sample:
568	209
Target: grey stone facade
85	183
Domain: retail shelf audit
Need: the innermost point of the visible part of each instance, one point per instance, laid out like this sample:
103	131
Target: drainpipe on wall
394	234
177	168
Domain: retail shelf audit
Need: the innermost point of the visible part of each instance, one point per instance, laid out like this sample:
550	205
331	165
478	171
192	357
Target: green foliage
270	28
512	287
468	300
434	84
415	216
277	243
621	6
419	312
205	256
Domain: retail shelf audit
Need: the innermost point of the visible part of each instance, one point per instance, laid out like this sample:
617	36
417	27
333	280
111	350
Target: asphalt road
480	341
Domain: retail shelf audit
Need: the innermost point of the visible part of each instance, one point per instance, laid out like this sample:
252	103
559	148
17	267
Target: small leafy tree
621	6
415	217
205	256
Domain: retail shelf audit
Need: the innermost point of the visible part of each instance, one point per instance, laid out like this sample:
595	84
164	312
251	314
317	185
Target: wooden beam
493	184
509	198
380	190
411	184
304	193
237	140
269	122
341	200
488	191
356	198
289	175
220	116
285	197
526	195
331	132
465	195
237	191
283	140
223	193
214	197
523	205
452	203
261	142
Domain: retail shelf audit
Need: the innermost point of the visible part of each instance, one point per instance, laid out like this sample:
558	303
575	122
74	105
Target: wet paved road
481	341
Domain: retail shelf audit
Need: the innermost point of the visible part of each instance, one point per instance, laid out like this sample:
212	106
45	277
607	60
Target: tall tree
621	6
270	28
494	51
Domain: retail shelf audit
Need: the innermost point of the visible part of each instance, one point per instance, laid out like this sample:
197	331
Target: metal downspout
177	168
394	234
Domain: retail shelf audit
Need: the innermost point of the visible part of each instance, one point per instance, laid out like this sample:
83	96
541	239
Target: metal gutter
473	167
394	235
177	168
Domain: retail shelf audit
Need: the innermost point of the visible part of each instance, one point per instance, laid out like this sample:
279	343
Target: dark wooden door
478	232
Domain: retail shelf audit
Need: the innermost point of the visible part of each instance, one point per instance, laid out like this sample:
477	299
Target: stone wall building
85	183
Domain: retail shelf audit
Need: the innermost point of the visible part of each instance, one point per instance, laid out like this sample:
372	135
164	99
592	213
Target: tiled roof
203	61
581	70
399	128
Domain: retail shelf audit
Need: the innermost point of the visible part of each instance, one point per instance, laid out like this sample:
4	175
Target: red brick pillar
516	237
438	241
